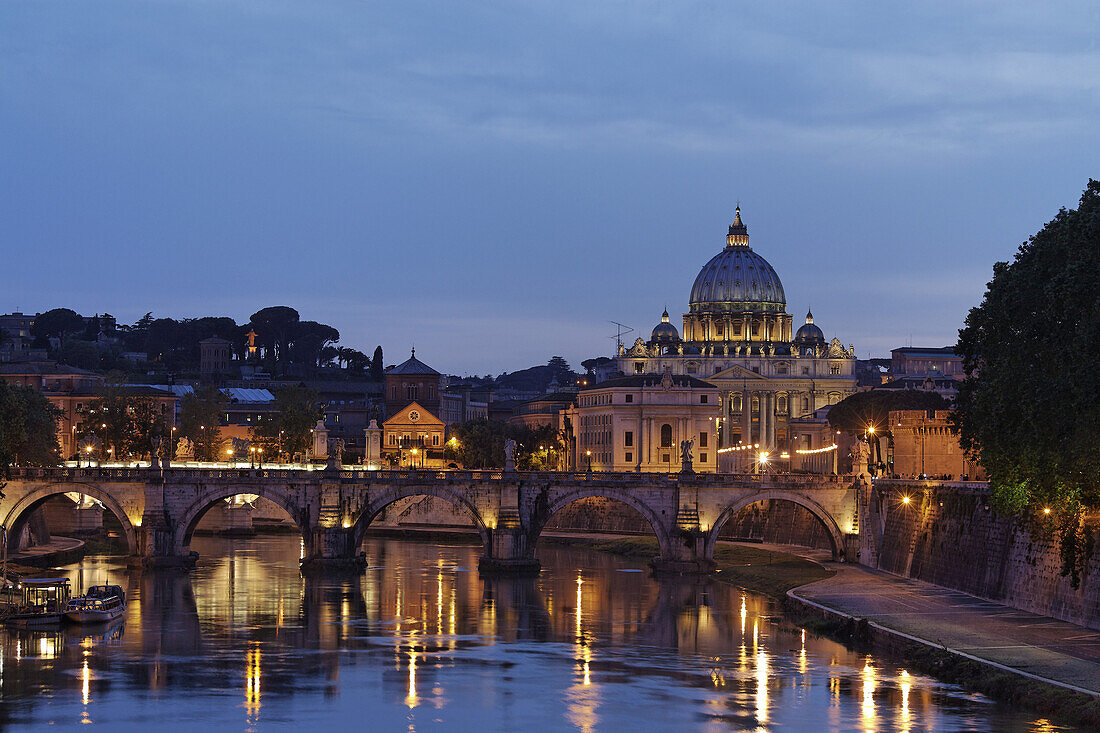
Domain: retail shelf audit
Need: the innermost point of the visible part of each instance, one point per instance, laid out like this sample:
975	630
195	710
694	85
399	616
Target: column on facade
765	419
746	416
773	419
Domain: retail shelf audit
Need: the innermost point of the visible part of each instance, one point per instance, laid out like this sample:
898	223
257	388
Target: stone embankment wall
951	537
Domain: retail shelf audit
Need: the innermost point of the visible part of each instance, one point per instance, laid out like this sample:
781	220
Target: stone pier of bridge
159	508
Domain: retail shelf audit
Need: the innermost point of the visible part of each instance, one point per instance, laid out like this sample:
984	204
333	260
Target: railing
300	473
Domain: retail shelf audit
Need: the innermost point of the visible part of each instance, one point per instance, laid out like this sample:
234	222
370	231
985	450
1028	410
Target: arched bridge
159	508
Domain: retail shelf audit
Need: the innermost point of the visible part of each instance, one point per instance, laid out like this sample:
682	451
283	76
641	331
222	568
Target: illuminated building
738	336
637	423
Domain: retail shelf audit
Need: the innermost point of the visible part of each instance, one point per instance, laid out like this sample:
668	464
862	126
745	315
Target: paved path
1037	645
43	553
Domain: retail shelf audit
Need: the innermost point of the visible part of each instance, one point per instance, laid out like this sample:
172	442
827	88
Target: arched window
666	436
781	403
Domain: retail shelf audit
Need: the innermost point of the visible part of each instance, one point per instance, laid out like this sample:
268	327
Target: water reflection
420	641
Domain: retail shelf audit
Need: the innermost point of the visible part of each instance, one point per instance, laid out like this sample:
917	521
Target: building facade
737	335
412	381
911	360
923	444
637	423
413	437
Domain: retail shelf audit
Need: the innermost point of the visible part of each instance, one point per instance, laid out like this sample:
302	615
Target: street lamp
229	455
589	454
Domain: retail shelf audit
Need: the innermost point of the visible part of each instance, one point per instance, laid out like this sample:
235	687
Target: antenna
619	333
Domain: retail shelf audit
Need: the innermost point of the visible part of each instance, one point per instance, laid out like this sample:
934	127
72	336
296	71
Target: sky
496	183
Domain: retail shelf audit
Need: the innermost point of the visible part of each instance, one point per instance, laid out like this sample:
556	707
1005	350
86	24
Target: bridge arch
397	493
836	538
559	502
18	515
190	518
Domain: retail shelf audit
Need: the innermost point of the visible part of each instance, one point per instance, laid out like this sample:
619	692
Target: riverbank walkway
1036	646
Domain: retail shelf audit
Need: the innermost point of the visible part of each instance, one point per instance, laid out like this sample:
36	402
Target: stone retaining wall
951	537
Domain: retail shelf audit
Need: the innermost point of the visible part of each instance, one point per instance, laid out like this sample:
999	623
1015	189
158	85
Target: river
420	642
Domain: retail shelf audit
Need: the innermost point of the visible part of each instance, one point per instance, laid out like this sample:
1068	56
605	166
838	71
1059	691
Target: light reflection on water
420	642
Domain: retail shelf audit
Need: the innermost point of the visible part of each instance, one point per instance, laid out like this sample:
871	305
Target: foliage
28	428
376	368
124	424
200	416
288	428
56	323
857	411
1030	407
480	444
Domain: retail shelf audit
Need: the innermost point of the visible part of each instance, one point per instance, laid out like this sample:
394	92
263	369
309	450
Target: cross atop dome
739	233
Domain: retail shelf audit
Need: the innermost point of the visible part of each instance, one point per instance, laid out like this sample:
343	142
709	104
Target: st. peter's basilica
737	335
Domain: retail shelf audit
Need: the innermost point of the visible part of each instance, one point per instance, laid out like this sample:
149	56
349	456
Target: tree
1029	409
124	423
857	412
376	368
310	339
274	326
28	428
56	323
200	417
480	444
289	428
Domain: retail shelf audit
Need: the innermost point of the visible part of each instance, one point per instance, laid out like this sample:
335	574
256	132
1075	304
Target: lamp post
589	454
229	456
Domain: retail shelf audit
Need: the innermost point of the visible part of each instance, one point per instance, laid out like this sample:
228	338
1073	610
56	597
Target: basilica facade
738	336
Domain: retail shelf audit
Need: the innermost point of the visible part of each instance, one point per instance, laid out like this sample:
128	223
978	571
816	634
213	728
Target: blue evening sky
495	182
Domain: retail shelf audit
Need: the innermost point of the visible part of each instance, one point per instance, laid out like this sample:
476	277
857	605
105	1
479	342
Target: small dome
664	332
809	334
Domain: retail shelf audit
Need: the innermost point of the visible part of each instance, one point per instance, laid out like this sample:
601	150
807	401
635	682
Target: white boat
101	603
41	603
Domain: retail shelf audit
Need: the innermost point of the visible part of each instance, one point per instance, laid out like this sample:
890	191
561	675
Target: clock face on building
414	415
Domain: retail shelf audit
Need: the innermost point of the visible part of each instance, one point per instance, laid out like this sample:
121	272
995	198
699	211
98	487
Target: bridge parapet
333	507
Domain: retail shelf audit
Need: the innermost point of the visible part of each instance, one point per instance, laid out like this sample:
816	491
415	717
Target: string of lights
810	451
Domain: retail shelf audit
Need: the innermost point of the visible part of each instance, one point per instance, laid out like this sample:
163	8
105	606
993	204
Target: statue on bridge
509	455
685	455
185	449
861	453
335	453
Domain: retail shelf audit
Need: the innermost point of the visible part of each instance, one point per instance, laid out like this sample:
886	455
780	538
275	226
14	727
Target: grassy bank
752	568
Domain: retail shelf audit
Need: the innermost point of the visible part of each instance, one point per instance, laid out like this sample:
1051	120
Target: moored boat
42	603
100	603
